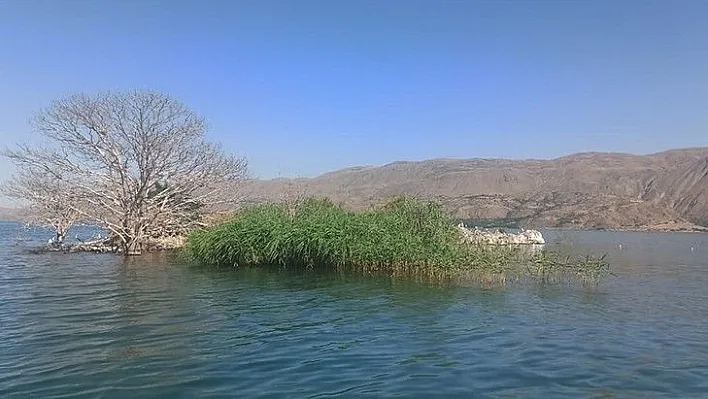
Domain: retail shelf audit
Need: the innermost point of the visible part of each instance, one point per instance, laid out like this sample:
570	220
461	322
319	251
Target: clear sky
304	87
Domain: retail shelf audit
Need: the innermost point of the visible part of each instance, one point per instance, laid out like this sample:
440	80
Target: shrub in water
405	234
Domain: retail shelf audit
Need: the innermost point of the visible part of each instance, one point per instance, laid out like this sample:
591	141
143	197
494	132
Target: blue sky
304	87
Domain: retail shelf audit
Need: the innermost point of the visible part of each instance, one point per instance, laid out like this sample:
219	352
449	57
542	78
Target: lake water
89	325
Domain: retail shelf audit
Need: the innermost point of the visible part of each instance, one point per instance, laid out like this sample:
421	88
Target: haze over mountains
9	213
667	190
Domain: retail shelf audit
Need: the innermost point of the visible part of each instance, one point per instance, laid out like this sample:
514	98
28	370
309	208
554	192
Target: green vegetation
405	236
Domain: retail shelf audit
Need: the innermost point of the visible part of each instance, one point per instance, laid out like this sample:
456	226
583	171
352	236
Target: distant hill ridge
9	213
665	190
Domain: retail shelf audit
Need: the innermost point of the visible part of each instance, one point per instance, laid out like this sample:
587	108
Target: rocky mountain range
665	191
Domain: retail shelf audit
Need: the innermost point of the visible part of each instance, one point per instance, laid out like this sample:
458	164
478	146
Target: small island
405	236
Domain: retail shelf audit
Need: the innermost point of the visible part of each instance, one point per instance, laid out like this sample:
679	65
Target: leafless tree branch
137	163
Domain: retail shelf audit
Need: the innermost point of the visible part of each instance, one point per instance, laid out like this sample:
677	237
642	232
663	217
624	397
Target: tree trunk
60	236
132	247
57	241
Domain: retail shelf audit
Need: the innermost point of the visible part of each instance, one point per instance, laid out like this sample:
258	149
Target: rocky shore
479	236
104	245
474	235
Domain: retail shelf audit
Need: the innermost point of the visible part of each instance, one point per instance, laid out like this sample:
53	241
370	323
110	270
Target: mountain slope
609	190
686	191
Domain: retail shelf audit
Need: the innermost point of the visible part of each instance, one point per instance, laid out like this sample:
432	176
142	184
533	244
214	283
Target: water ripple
100	326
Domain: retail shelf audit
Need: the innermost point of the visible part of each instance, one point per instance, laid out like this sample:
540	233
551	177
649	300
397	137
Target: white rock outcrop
478	236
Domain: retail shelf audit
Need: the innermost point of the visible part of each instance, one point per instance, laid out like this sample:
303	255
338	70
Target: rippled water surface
88	325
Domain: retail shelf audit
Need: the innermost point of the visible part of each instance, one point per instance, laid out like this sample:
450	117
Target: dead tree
136	160
48	201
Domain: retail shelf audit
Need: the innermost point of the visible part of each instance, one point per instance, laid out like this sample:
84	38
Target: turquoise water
89	325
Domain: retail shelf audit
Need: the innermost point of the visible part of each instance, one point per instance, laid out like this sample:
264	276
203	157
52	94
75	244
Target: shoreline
640	229
629	229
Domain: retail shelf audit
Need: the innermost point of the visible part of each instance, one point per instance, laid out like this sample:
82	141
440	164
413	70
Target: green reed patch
404	237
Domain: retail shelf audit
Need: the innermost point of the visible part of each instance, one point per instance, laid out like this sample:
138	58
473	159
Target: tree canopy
133	162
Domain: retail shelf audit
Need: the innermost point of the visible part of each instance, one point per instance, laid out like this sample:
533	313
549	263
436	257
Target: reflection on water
91	325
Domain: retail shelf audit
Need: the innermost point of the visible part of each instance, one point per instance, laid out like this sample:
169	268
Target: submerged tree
133	162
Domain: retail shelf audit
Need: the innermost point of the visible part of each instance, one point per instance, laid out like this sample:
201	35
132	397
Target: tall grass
405	236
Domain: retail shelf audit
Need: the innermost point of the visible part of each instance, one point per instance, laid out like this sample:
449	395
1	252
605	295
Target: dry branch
136	163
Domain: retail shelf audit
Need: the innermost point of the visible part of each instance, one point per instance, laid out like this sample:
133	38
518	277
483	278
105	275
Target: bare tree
49	201
138	161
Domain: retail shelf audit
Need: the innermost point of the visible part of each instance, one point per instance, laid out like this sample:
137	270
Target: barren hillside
604	190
